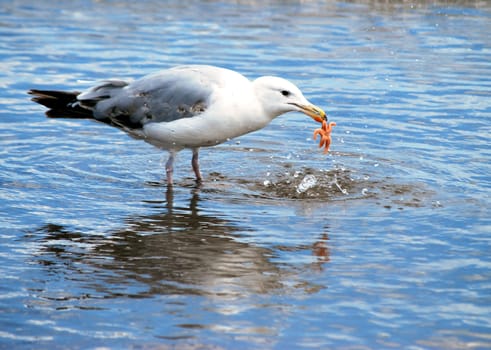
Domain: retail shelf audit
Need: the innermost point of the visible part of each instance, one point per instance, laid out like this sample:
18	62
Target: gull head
280	96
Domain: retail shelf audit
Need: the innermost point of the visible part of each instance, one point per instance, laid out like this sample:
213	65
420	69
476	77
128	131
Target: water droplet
336	183
437	204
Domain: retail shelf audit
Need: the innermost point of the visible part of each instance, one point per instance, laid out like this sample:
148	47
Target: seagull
185	107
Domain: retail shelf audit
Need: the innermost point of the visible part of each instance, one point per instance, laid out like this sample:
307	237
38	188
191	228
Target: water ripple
382	243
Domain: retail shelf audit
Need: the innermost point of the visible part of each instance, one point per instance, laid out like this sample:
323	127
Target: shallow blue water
388	247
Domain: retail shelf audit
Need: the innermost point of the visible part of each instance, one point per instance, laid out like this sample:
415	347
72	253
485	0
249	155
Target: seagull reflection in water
177	251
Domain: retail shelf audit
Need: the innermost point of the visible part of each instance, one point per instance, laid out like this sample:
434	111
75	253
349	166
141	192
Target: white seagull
183	107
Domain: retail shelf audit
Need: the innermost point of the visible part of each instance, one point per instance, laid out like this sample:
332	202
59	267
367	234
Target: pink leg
169	168
195	165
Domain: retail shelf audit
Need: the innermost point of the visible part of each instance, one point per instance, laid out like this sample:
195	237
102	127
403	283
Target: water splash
336	183
307	183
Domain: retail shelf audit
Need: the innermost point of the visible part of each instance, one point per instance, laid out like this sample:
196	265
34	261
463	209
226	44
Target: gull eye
285	93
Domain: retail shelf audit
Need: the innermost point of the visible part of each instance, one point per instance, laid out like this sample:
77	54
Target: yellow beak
314	112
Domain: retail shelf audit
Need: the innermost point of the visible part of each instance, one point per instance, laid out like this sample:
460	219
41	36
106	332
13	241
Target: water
383	243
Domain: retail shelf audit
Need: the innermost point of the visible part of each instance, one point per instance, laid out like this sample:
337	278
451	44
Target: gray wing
165	96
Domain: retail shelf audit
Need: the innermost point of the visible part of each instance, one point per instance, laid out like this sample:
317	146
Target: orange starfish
325	133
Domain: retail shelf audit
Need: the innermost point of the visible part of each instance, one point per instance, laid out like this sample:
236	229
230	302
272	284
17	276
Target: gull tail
61	104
